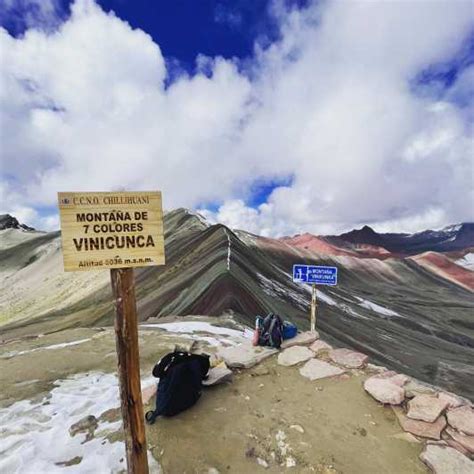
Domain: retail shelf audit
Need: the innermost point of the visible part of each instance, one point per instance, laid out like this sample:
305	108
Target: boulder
384	390
244	355
467	442
320	346
376	368
217	375
420	428
398	379
294	355
426	408
348	358
446	460
301	339
462	419
316	369
452	400
457	446
414	388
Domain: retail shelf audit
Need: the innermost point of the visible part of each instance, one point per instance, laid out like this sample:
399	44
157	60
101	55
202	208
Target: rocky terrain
306	408
411	313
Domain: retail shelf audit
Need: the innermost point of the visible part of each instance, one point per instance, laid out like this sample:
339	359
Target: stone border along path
420	408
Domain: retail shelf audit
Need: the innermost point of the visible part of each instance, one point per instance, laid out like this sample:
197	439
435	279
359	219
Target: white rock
262	462
244	355
446	460
301	339
376	368
453	400
426	408
298	428
294	355
467	442
462	419
420	428
348	358
384	390
414	388
317	369
398	379
320	346
217	375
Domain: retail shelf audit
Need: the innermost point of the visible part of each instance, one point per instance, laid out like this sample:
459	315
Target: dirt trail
236	424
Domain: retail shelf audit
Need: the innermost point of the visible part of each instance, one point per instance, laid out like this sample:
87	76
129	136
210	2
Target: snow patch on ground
276	290
8	355
376	308
35	435
326	298
195	326
332	302
467	261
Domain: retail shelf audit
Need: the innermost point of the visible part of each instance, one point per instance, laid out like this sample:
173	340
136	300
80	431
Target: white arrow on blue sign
318	275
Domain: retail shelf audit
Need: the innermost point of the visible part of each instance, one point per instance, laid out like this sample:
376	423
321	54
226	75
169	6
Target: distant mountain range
406	300
366	242
452	238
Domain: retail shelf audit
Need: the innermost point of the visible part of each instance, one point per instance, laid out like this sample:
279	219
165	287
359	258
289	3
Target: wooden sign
111	230
119	231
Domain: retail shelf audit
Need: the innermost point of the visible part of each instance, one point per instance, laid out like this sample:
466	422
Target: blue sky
184	29
276	116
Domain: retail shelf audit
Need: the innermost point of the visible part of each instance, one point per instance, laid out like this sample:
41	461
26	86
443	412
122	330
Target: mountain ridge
362	242
404	313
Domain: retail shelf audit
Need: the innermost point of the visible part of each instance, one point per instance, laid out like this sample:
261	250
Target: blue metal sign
315	274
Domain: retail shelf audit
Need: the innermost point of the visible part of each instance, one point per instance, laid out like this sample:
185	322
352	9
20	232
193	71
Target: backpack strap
151	416
167	362
270	330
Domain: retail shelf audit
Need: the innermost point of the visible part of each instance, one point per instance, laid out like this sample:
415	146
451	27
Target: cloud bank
332	109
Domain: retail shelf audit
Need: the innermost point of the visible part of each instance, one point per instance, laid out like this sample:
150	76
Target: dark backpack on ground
271	331
180	384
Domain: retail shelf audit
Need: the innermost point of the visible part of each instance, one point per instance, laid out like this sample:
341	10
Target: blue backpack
289	330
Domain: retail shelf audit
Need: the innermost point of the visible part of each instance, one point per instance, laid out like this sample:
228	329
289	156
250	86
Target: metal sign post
317	275
118	231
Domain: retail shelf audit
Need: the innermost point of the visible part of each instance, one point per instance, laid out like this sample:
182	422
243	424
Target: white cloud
330	104
43	14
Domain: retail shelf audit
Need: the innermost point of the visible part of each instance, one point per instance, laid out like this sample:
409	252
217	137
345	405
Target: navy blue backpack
270	331
181	375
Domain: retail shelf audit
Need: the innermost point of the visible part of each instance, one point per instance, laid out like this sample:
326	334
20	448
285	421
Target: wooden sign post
313	309
126	334
118	231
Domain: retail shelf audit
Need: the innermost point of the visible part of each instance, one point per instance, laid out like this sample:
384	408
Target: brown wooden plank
126	332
